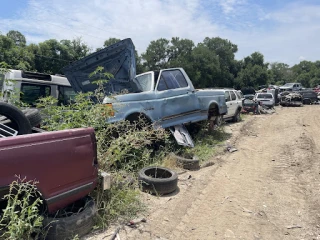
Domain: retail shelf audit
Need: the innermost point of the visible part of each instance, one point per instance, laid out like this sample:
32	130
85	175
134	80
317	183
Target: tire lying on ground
15	118
80	222
158	180
33	116
188	162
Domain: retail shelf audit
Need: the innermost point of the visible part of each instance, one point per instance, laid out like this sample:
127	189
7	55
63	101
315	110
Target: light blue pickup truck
166	98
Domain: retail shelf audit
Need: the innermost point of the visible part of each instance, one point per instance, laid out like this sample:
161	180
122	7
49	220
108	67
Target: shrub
20	219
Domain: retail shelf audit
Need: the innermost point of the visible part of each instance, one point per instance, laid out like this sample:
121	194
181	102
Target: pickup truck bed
64	163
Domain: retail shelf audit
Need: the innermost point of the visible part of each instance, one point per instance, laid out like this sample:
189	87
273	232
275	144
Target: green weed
20	219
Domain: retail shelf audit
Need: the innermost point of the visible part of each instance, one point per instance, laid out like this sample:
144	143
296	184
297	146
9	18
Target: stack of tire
20	120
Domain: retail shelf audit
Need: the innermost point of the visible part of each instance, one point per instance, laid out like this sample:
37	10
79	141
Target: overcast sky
282	30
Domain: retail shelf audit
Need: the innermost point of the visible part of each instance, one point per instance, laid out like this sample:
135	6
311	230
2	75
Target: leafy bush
122	147
20	219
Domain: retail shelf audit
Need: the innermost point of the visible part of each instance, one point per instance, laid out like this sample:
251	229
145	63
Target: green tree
111	41
52	55
225	50
204	67
156	55
16	57
280	73
254	71
18	38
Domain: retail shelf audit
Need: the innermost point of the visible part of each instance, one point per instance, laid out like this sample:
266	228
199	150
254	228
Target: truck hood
117	59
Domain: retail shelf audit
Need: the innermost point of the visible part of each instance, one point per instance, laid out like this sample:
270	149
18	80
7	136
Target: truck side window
174	79
227	96
233	96
66	95
177	74
171	82
162	85
30	93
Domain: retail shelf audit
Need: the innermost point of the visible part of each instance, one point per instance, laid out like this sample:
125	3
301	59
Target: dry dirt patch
268	189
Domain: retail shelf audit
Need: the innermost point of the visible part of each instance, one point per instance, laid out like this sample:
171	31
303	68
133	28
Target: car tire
236	117
78	224
15	118
191	163
158	180
33	116
306	101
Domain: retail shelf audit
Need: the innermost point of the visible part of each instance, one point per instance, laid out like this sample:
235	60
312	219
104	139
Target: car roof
264	93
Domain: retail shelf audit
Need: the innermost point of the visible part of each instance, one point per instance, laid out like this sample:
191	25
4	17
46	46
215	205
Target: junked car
309	96
290	99
266	99
249	105
67	159
31	86
249	96
234	104
166	97
291	87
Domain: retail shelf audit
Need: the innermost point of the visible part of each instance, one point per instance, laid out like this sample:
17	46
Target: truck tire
33	116
79	223
18	120
158	180
191	163
236	117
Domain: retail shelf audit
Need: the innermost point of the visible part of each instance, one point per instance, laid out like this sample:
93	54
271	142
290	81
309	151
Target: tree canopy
210	63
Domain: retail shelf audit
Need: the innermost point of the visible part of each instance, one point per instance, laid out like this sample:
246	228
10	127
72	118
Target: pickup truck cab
33	86
64	163
166	97
291	87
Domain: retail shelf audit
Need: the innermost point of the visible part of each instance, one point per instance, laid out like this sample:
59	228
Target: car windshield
288	85
144	81
264	95
248	101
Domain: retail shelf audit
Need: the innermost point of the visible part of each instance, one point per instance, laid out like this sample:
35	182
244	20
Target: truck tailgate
63	162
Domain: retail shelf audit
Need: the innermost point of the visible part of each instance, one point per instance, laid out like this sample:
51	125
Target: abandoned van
33	86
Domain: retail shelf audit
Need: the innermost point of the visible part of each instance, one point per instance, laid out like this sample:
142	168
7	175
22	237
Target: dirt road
268	189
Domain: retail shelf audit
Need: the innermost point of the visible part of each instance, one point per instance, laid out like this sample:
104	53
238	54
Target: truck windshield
144	81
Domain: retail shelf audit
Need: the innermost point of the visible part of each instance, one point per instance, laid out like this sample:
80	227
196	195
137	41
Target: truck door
176	98
229	103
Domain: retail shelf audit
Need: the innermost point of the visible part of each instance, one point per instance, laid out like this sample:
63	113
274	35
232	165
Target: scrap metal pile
291	99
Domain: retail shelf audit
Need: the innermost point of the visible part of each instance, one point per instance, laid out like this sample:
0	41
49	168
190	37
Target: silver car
266	99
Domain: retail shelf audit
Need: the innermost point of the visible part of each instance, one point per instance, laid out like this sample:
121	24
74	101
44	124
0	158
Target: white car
266	99
234	104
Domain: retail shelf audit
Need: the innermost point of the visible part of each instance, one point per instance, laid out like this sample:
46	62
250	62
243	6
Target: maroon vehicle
64	163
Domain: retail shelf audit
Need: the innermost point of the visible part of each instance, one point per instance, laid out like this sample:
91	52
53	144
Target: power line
62	60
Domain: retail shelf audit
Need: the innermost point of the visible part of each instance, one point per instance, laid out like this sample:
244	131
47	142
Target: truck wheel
33	116
236	117
15	118
190	163
79	222
158	180
306	101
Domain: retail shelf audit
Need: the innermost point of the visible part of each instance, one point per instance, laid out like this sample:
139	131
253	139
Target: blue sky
282	30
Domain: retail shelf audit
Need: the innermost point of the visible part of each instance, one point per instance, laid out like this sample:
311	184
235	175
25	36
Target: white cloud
281	35
229	6
98	20
301	58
